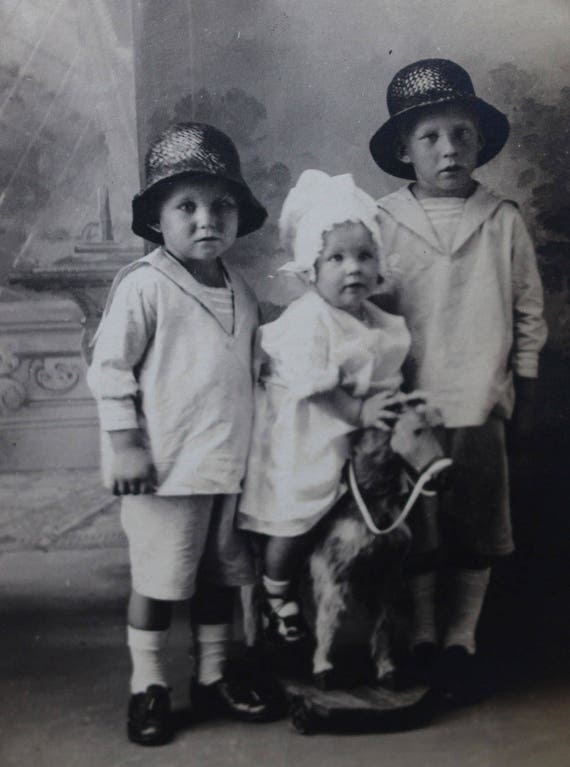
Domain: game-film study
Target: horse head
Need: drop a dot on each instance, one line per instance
(412, 441)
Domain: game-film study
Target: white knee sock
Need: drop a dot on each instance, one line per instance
(470, 587)
(422, 624)
(212, 647)
(149, 666)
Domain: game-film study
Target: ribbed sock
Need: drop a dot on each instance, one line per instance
(422, 623)
(212, 646)
(146, 648)
(470, 587)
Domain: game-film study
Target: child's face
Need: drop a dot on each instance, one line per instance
(347, 269)
(198, 220)
(443, 146)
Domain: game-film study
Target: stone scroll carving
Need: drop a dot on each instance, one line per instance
(52, 374)
(55, 375)
(8, 362)
(12, 395)
(12, 392)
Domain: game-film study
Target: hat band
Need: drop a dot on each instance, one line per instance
(430, 99)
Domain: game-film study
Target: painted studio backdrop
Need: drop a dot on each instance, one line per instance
(84, 84)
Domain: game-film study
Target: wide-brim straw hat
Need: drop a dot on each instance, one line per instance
(193, 149)
(428, 83)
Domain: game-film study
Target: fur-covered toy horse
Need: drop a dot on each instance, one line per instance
(361, 544)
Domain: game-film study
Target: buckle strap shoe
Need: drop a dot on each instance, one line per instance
(282, 625)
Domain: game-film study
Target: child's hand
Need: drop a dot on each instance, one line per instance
(133, 472)
(381, 411)
(524, 413)
(132, 469)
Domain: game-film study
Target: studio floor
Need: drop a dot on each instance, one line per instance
(64, 669)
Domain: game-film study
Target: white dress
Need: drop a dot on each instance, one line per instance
(301, 439)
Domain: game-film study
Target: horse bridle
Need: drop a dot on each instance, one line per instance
(419, 488)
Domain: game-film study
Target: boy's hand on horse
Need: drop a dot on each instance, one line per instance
(132, 468)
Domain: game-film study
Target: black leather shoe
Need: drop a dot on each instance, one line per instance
(149, 719)
(458, 677)
(416, 669)
(328, 680)
(233, 696)
(284, 626)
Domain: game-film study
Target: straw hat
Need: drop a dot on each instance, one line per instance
(428, 83)
(200, 150)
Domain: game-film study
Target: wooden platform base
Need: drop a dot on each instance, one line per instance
(362, 709)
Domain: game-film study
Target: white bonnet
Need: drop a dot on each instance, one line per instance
(315, 205)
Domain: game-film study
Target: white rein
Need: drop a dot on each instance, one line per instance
(435, 468)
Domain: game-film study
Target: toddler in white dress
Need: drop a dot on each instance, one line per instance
(328, 366)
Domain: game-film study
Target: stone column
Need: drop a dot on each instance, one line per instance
(162, 56)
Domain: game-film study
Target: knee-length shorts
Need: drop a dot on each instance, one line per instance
(473, 516)
(174, 540)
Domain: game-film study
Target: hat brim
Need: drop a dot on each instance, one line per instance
(251, 213)
(494, 126)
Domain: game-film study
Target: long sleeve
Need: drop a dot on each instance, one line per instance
(386, 295)
(529, 325)
(123, 337)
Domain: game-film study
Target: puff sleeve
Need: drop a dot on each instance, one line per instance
(296, 348)
(298, 355)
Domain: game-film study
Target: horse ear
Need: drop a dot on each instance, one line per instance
(433, 416)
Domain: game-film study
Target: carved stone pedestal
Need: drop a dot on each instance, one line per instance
(48, 418)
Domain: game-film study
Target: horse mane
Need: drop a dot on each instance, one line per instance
(374, 461)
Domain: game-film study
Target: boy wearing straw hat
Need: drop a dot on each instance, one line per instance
(172, 376)
(462, 271)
